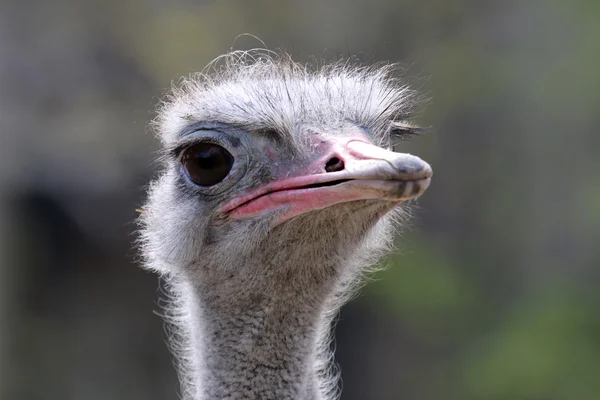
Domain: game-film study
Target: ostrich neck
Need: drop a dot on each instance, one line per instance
(253, 339)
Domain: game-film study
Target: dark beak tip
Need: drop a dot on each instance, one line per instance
(414, 167)
(427, 171)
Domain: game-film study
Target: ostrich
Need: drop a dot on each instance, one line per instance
(278, 193)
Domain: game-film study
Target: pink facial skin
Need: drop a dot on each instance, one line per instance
(370, 173)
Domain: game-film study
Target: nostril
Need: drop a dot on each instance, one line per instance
(334, 164)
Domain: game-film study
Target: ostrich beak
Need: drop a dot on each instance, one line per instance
(366, 172)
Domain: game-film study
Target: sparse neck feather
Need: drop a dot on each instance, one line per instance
(254, 339)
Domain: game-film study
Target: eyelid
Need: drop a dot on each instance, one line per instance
(192, 139)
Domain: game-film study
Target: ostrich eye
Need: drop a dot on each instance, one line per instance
(206, 163)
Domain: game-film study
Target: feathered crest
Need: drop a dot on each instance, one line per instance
(264, 90)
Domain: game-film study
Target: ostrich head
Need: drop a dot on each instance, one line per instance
(278, 192)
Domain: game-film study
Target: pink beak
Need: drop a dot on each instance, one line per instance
(369, 173)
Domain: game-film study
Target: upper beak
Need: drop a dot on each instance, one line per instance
(369, 173)
(400, 176)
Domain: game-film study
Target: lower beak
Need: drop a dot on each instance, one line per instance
(369, 173)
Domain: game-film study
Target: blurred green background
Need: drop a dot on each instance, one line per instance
(493, 293)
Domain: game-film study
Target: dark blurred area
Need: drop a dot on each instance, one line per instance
(493, 293)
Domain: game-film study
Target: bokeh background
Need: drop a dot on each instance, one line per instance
(494, 291)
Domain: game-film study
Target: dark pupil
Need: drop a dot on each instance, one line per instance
(207, 164)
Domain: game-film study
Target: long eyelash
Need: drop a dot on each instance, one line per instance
(175, 151)
(405, 131)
